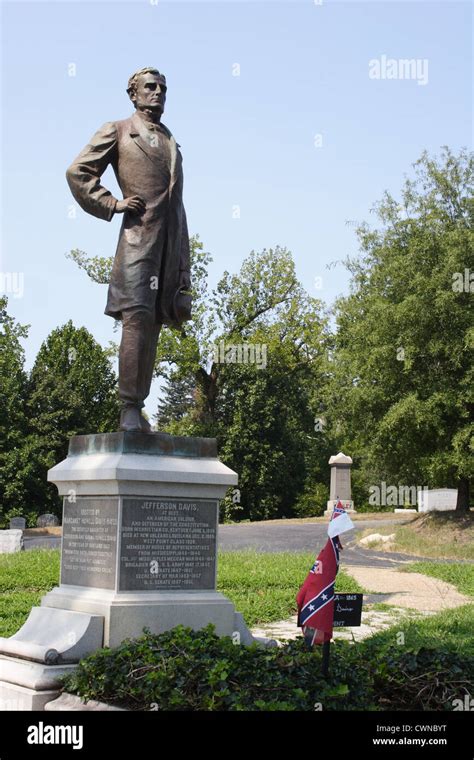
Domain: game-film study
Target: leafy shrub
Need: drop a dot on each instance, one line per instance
(423, 679)
(184, 669)
(366, 507)
(313, 501)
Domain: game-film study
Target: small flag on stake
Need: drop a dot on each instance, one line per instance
(315, 598)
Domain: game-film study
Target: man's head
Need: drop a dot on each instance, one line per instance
(147, 89)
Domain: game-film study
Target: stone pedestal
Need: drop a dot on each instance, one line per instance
(139, 547)
(340, 487)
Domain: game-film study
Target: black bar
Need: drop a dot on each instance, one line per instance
(362, 728)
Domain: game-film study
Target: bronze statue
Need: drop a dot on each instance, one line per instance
(150, 274)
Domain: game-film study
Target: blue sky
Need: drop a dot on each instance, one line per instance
(247, 140)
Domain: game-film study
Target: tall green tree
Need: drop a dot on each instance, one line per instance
(72, 390)
(177, 402)
(401, 391)
(14, 472)
(266, 425)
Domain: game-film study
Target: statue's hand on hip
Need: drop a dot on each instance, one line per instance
(134, 204)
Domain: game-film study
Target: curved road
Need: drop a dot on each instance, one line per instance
(286, 536)
(308, 537)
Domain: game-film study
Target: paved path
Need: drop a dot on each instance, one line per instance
(42, 542)
(412, 595)
(371, 623)
(410, 590)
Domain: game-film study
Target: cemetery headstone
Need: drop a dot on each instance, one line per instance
(17, 523)
(437, 500)
(11, 541)
(47, 521)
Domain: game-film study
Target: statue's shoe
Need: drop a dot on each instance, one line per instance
(145, 425)
(130, 420)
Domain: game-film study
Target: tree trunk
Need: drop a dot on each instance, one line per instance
(207, 385)
(462, 503)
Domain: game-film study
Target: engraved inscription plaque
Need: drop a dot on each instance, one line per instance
(168, 544)
(340, 483)
(89, 548)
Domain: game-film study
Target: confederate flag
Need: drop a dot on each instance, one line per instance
(315, 598)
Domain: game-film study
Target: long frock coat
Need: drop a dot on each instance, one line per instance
(153, 248)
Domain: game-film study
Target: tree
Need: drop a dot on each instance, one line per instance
(266, 426)
(176, 403)
(71, 391)
(401, 390)
(13, 418)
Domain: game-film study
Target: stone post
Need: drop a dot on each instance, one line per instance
(340, 488)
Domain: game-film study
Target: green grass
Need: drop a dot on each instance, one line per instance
(24, 578)
(461, 576)
(15, 608)
(263, 587)
(381, 607)
(35, 570)
(448, 629)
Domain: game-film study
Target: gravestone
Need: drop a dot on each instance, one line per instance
(11, 541)
(437, 499)
(47, 521)
(340, 488)
(17, 523)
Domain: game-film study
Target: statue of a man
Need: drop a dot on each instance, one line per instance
(151, 265)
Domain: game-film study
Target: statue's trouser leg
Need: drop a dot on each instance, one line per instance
(137, 355)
